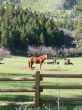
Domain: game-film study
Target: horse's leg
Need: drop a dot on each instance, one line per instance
(31, 65)
(40, 65)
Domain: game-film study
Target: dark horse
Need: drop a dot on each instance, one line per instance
(37, 60)
(67, 62)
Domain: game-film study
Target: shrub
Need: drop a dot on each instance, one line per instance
(35, 51)
(4, 53)
(50, 51)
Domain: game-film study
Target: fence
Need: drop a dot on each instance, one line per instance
(34, 79)
(38, 98)
(37, 77)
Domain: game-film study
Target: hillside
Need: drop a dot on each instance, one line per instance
(60, 9)
(48, 5)
(44, 5)
(41, 21)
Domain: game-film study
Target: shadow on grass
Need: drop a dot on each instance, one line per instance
(1, 63)
(18, 98)
(15, 98)
(14, 74)
(64, 104)
(50, 105)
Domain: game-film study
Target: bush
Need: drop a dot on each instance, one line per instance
(4, 53)
(50, 51)
(36, 51)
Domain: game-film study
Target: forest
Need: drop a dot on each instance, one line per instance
(22, 27)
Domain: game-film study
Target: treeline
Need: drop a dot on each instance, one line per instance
(77, 32)
(20, 28)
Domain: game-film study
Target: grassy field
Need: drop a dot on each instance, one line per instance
(18, 67)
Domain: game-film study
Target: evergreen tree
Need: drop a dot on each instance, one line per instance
(77, 34)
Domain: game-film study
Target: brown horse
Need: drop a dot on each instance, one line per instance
(37, 60)
(66, 61)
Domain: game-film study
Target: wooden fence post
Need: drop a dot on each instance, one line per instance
(37, 88)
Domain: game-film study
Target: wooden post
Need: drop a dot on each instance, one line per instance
(37, 88)
(58, 101)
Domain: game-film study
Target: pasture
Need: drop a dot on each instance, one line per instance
(18, 66)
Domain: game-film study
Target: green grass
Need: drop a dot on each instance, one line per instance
(18, 67)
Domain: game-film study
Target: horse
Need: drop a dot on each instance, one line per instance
(57, 63)
(52, 62)
(37, 60)
(66, 61)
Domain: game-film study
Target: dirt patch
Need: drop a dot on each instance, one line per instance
(56, 69)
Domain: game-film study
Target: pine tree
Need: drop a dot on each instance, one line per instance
(77, 34)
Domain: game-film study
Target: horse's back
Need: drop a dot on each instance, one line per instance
(37, 59)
